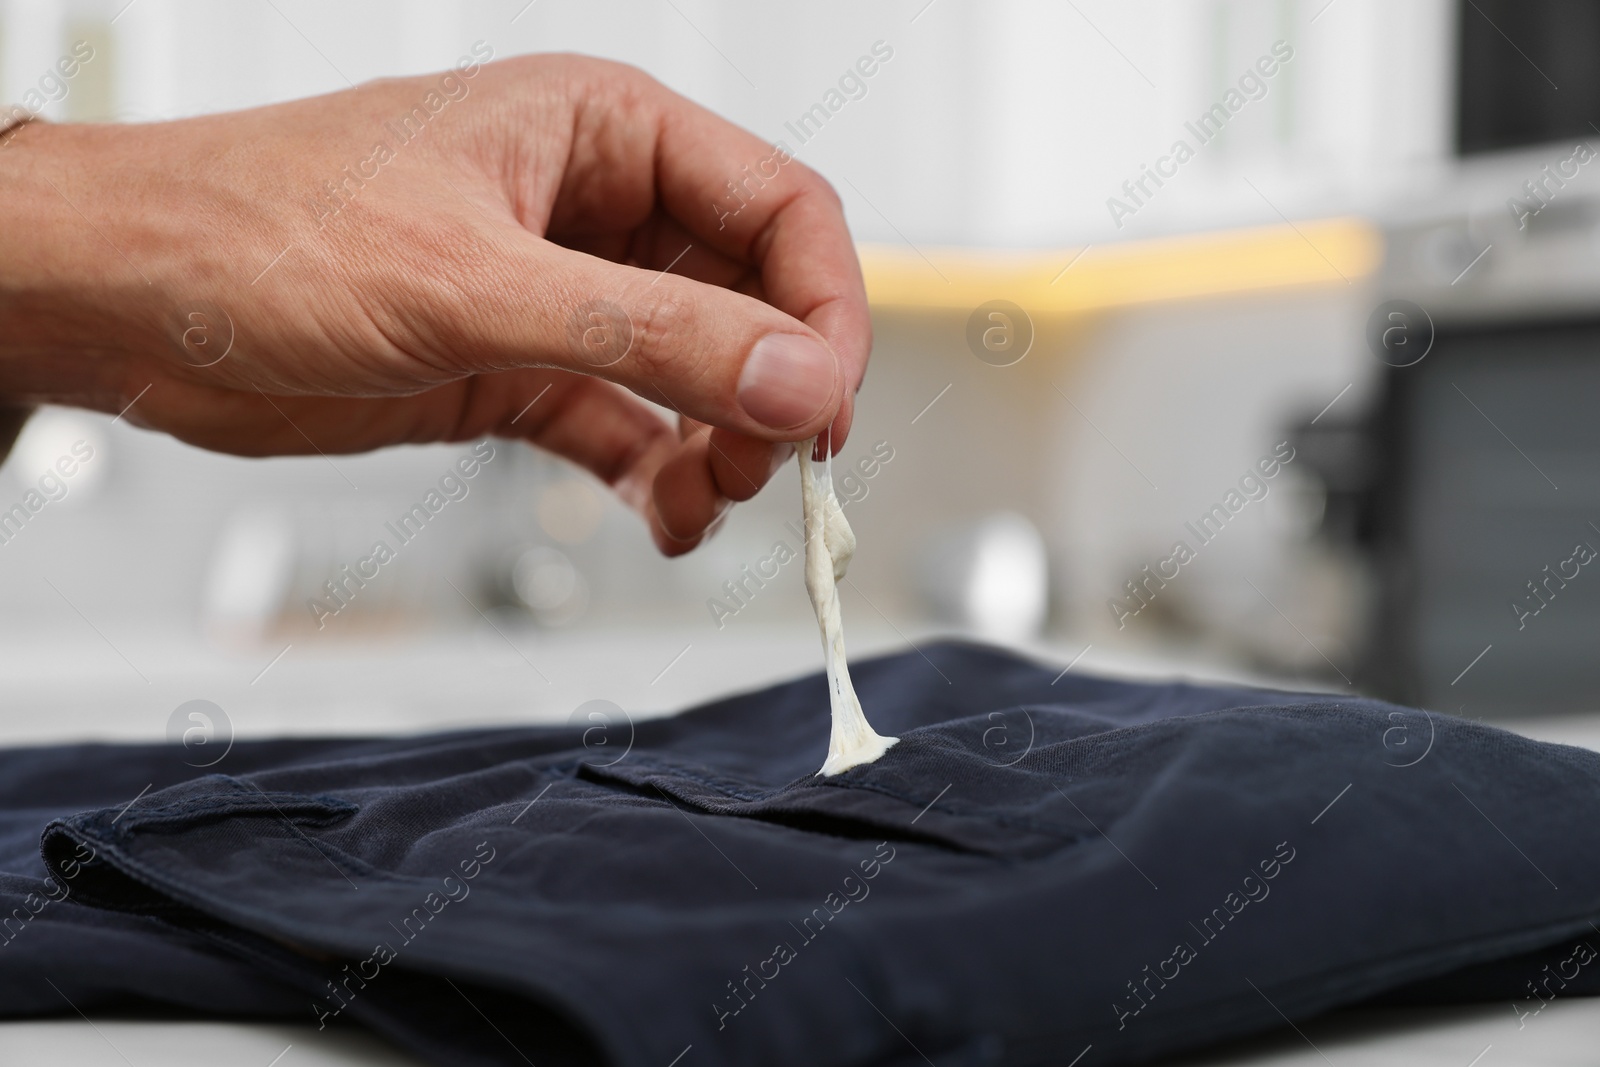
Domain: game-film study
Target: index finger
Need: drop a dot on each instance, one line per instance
(756, 203)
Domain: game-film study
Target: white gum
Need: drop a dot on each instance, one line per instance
(830, 543)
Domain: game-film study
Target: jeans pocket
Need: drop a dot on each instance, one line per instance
(913, 803)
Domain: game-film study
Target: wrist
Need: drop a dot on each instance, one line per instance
(13, 415)
(70, 298)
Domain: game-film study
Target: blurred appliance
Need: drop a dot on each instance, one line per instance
(1474, 484)
(1485, 524)
(1525, 72)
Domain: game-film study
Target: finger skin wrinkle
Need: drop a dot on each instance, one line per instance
(668, 311)
(612, 128)
(469, 404)
(686, 543)
(625, 462)
(544, 112)
(458, 261)
(755, 249)
(570, 422)
(754, 487)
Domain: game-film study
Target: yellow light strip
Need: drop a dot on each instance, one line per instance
(1322, 252)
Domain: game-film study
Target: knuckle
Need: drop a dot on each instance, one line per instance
(815, 184)
(427, 301)
(661, 324)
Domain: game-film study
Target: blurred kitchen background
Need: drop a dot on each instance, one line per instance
(1374, 273)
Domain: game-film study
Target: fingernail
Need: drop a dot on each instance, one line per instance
(780, 455)
(787, 380)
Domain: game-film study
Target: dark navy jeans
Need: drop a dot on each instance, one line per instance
(1043, 865)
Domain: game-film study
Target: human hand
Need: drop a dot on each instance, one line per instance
(385, 266)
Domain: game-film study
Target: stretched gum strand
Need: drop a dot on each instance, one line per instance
(830, 544)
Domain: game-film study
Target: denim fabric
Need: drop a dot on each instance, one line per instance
(56, 953)
(1044, 865)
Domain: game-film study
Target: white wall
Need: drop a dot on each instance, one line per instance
(994, 124)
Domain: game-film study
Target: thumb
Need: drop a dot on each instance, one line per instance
(709, 353)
